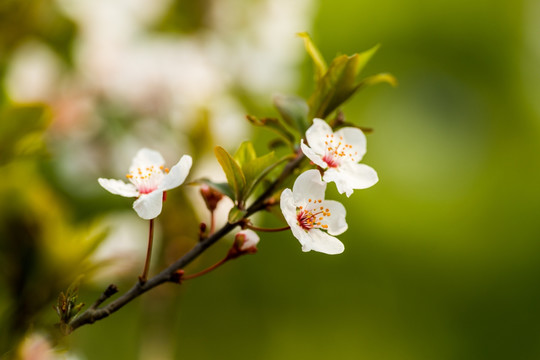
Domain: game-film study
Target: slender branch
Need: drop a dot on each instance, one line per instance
(110, 291)
(142, 278)
(256, 228)
(94, 314)
(207, 270)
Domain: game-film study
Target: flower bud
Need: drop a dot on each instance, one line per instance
(211, 197)
(246, 241)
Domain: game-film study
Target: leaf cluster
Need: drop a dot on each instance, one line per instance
(334, 85)
(67, 307)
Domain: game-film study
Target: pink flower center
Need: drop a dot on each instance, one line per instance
(337, 151)
(312, 216)
(147, 180)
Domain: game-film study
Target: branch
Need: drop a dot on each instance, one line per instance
(94, 313)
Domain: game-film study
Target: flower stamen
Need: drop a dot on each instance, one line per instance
(308, 218)
(146, 180)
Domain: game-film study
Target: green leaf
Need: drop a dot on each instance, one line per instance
(245, 153)
(315, 54)
(364, 57)
(338, 84)
(223, 188)
(294, 111)
(378, 79)
(233, 172)
(260, 168)
(253, 168)
(236, 214)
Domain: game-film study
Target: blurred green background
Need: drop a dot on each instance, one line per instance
(442, 255)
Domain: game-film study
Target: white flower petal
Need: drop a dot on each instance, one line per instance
(288, 207)
(343, 183)
(177, 175)
(308, 186)
(118, 187)
(146, 158)
(352, 176)
(362, 176)
(312, 155)
(356, 138)
(322, 242)
(316, 135)
(148, 206)
(303, 238)
(336, 221)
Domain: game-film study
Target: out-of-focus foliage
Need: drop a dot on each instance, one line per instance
(42, 250)
(21, 131)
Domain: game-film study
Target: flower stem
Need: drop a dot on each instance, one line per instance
(207, 270)
(256, 228)
(212, 222)
(142, 278)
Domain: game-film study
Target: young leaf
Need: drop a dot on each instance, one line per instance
(233, 172)
(364, 57)
(315, 54)
(236, 214)
(339, 83)
(326, 88)
(377, 79)
(253, 168)
(259, 171)
(294, 110)
(245, 153)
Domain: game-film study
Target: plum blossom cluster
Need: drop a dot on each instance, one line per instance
(252, 181)
(313, 220)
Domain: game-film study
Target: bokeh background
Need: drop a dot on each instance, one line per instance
(442, 256)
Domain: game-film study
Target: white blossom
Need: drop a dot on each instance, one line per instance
(312, 219)
(149, 179)
(339, 153)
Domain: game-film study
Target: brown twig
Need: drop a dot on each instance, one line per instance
(95, 313)
(256, 228)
